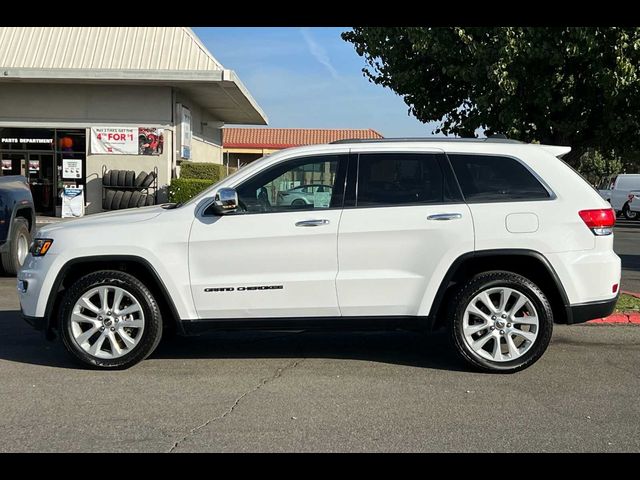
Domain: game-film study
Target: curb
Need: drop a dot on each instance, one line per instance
(622, 318)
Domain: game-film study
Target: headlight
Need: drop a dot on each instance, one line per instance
(40, 246)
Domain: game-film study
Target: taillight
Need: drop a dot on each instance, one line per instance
(600, 221)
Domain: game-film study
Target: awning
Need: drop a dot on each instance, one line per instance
(219, 92)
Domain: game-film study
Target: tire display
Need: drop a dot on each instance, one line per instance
(129, 179)
(143, 200)
(135, 197)
(126, 198)
(139, 179)
(148, 180)
(122, 175)
(117, 198)
(126, 189)
(108, 199)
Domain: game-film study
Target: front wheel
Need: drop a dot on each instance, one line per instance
(14, 257)
(110, 320)
(500, 322)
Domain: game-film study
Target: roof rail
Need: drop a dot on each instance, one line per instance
(495, 139)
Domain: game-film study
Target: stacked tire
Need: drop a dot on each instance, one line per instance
(125, 189)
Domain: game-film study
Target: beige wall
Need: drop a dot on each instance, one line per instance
(46, 104)
(206, 142)
(205, 152)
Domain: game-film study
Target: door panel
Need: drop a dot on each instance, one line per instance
(391, 258)
(281, 262)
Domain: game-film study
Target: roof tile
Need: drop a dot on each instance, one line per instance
(289, 137)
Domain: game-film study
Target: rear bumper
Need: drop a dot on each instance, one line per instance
(583, 312)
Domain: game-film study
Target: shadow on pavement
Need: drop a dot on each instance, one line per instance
(396, 347)
(20, 343)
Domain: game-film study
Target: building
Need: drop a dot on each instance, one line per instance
(79, 101)
(244, 145)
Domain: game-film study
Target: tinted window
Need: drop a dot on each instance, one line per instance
(301, 184)
(399, 179)
(494, 178)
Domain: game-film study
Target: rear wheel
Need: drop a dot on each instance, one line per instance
(110, 320)
(19, 244)
(628, 213)
(501, 322)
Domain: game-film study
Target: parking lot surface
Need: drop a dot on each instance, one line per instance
(342, 392)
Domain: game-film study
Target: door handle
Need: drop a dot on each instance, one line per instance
(445, 216)
(312, 223)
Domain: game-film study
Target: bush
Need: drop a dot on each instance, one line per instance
(183, 189)
(202, 171)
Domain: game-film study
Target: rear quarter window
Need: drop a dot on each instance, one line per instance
(493, 178)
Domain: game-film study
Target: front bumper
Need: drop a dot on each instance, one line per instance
(39, 323)
(583, 312)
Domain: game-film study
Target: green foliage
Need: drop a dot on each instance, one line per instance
(576, 86)
(627, 303)
(594, 165)
(202, 170)
(183, 189)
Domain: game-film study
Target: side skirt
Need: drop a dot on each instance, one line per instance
(195, 327)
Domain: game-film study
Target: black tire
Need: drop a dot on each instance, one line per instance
(151, 334)
(106, 180)
(117, 198)
(143, 200)
(139, 179)
(628, 213)
(130, 178)
(148, 180)
(122, 176)
(299, 203)
(150, 200)
(135, 198)
(113, 181)
(468, 292)
(126, 198)
(108, 199)
(20, 236)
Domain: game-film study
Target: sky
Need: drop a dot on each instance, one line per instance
(309, 77)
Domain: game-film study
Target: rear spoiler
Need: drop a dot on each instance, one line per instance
(556, 150)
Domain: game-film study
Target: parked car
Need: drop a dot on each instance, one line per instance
(494, 240)
(302, 195)
(617, 191)
(17, 222)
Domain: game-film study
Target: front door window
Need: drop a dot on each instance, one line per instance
(301, 184)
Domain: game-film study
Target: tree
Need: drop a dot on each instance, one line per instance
(576, 86)
(595, 166)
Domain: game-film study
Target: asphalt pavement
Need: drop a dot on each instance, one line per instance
(626, 243)
(329, 392)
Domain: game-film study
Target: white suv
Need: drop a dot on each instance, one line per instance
(493, 239)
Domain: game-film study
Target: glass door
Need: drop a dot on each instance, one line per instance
(41, 173)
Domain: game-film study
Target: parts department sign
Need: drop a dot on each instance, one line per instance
(114, 140)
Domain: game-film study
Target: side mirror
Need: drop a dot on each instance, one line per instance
(225, 201)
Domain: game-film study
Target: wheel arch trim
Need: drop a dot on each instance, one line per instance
(458, 263)
(64, 270)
